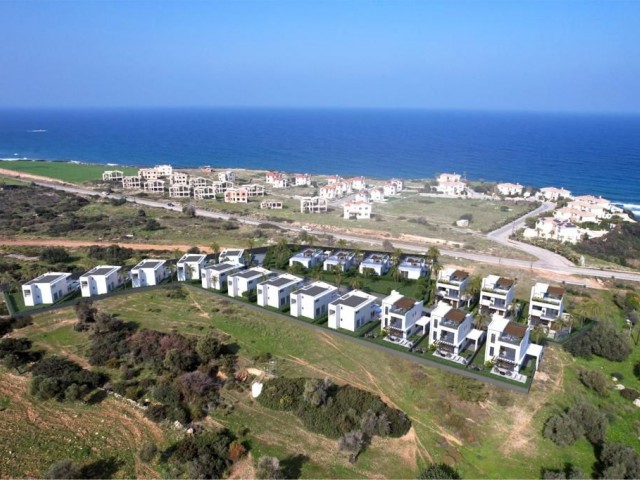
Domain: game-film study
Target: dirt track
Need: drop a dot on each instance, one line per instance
(87, 243)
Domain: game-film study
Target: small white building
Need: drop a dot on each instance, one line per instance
(352, 310)
(276, 292)
(280, 182)
(449, 328)
(363, 196)
(234, 256)
(203, 193)
(358, 183)
(389, 189)
(357, 210)
(451, 287)
(340, 261)
(510, 189)
(47, 289)
(190, 266)
(302, 179)
(271, 204)
(312, 301)
(400, 314)
(449, 177)
(546, 305)
(164, 170)
(246, 280)
(508, 344)
(215, 276)
(236, 195)
(227, 176)
(100, 280)
(496, 295)
(377, 263)
(179, 191)
(179, 178)
(148, 173)
(451, 188)
(399, 183)
(377, 194)
(149, 272)
(308, 258)
(412, 267)
(553, 194)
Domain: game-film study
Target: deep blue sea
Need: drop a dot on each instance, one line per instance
(596, 154)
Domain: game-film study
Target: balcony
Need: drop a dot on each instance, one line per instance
(510, 339)
(451, 294)
(507, 354)
(554, 301)
(447, 337)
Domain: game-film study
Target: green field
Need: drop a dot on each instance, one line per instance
(68, 172)
(499, 437)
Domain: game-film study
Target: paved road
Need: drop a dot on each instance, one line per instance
(548, 261)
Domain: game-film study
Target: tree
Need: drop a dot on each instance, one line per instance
(590, 309)
(354, 442)
(475, 284)
(433, 254)
(619, 461)
(189, 211)
(316, 391)
(64, 469)
(209, 347)
(341, 244)
(439, 471)
(215, 248)
(387, 246)
(268, 468)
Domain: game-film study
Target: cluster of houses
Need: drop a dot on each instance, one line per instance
(447, 325)
(283, 180)
(566, 224)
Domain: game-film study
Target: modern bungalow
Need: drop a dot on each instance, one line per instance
(149, 272)
(451, 287)
(400, 315)
(352, 310)
(100, 280)
(215, 276)
(47, 289)
(235, 256)
(496, 295)
(546, 305)
(308, 258)
(377, 263)
(340, 261)
(276, 292)
(190, 266)
(412, 267)
(246, 281)
(312, 301)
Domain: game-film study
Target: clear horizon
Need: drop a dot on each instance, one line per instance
(468, 55)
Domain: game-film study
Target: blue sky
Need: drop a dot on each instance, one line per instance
(483, 55)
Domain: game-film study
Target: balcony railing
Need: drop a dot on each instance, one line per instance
(555, 301)
(510, 339)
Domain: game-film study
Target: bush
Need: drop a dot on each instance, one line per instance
(619, 461)
(205, 455)
(562, 430)
(630, 394)
(64, 469)
(151, 225)
(59, 378)
(113, 254)
(148, 452)
(582, 419)
(596, 381)
(54, 255)
(604, 340)
(439, 471)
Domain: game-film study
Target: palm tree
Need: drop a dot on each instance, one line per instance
(590, 309)
(475, 284)
(433, 254)
(342, 243)
(215, 248)
(435, 270)
(356, 283)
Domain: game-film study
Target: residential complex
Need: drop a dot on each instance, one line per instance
(497, 295)
(352, 311)
(100, 280)
(308, 258)
(246, 281)
(47, 289)
(149, 272)
(451, 287)
(190, 265)
(275, 292)
(312, 301)
(400, 315)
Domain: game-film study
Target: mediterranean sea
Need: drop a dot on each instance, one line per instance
(586, 153)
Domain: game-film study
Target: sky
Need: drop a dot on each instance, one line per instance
(526, 55)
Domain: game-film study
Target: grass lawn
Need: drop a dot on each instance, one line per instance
(68, 172)
(506, 426)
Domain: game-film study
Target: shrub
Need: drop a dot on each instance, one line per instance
(604, 340)
(148, 452)
(206, 455)
(619, 461)
(562, 430)
(64, 469)
(596, 381)
(439, 471)
(581, 419)
(151, 225)
(630, 394)
(268, 468)
(54, 255)
(54, 375)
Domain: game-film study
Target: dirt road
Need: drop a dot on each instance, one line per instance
(87, 243)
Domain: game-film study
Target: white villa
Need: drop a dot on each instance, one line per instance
(154, 186)
(357, 210)
(179, 178)
(334, 179)
(179, 191)
(131, 182)
(276, 292)
(282, 181)
(236, 195)
(358, 183)
(246, 280)
(508, 344)
(164, 170)
(510, 189)
(554, 229)
(190, 266)
(215, 276)
(448, 177)
(308, 258)
(389, 189)
(331, 192)
(313, 205)
(302, 179)
(400, 315)
(254, 190)
(363, 196)
(451, 188)
(271, 204)
(451, 287)
(270, 177)
(340, 261)
(546, 305)
(553, 194)
(100, 280)
(377, 194)
(235, 256)
(378, 263)
(450, 328)
(399, 183)
(413, 267)
(497, 295)
(149, 272)
(112, 175)
(352, 310)
(227, 176)
(312, 301)
(47, 289)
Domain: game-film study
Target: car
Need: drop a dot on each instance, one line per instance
(306, 228)
(170, 204)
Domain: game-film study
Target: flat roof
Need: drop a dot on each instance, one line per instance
(232, 253)
(405, 303)
(515, 330)
(149, 264)
(221, 267)
(101, 270)
(314, 290)
(250, 273)
(193, 258)
(455, 315)
(281, 281)
(48, 278)
(352, 300)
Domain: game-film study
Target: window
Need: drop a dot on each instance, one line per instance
(491, 352)
(493, 338)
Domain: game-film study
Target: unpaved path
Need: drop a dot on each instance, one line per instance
(87, 243)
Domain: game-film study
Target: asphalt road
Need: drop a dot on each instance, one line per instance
(547, 261)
